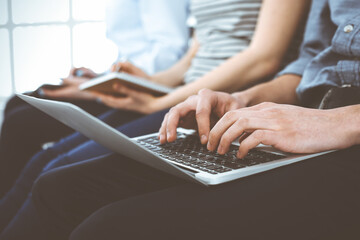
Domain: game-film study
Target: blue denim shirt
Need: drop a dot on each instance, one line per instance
(330, 53)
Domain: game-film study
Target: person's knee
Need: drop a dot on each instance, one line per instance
(101, 225)
(14, 117)
(12, 103)
(42, 189)
(81, 233)
(49, 191)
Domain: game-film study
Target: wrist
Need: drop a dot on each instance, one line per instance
(244, 97)
(346, 127)
(152, 78)
(158, 104)
(351, 123)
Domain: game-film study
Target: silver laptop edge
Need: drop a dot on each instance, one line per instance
(105, 135)
(114, 140)
(219, 178)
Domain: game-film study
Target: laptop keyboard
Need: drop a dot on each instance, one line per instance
(187, 150)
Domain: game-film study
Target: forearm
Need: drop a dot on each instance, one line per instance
(350, 124)
(240, 71)
(174, 76)
(223, 78)
(264, 55)
(173, 98)
(279, 90)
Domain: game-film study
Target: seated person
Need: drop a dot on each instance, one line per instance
(115, 197)
(253, 63)
(152, 35)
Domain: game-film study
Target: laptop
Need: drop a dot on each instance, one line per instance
(185, 158)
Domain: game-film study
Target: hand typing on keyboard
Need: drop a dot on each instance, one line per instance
(286, 127)
(198, 112)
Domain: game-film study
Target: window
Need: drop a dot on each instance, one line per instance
(5, 68)
(40, 40)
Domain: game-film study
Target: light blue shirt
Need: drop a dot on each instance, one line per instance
(152, 34)
(330, 54)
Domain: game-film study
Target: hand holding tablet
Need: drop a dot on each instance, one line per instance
(104, 84)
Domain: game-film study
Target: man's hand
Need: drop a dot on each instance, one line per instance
(198, 111)
(68, 92)
(78, 76)
(285, 127)
(71, 83)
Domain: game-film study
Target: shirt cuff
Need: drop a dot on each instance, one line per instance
(297, 68)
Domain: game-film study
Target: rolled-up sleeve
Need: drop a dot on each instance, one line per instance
(316, 38)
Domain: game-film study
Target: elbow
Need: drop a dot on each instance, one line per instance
(270, 65)
(266, 62)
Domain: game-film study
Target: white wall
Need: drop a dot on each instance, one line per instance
(40, 39)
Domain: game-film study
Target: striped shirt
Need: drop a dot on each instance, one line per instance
(223, 28)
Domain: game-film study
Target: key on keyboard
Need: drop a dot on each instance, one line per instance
(188, 150)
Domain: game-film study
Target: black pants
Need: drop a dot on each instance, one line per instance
(116, 198)
(23, 132)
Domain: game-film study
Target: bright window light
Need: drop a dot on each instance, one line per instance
(43, 58)
(91, 48)
(41, 39)
(3, 12)
(5, 72)
(88, 10)
(37, 11)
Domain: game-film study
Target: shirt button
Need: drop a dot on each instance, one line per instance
(348, 28)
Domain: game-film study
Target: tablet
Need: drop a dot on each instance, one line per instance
(104, 84)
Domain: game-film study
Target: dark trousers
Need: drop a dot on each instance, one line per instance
(114, 197)
(23, 132)
(17, 212)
